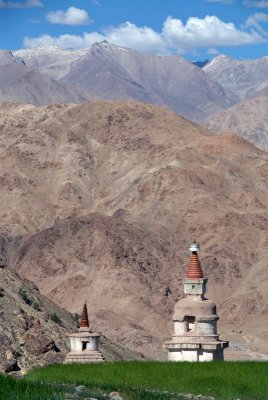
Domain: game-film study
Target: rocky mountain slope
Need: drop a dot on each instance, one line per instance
(19, 83)
(112, 72)
(101, 200)
(50, 60)
(245, 78)
(6, 57)
(248, 119)
(34, 329)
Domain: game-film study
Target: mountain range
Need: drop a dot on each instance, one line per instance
(247, 78)
(100, 201)
(249, 81)
(213, 95)
(113, 72)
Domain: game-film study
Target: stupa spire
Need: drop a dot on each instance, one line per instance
(84, 323)
(194, 268)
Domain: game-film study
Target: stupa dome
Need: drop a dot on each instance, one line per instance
(196, 307)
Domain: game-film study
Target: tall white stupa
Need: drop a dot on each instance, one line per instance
(195, 320)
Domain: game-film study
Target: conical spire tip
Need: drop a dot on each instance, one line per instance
(195, 247)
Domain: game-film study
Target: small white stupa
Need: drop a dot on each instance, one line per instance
(195, 320)
(84, 344)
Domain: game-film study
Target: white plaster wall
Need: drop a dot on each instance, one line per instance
(76, 344)
(174, 356)
(194, 287)
(207, 327)
(206, 355)
(72, 344)
(195, 355)
(183, 355)
(179, 328)
(93, 344)
(188, 355)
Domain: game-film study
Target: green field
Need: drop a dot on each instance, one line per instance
(159, 380)
(20, 389)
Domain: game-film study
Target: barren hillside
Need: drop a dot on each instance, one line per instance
(249, 119)
(102, 200)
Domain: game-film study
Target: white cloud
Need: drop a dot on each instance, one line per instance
(72, 16)
(207, 32)
(175, 36)
(65, 41)
(256, 4)
(212, 51)
(27, 4)
(138, 38)
(255, 21)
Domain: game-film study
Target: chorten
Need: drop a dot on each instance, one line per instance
(84, 344)
(195, 320)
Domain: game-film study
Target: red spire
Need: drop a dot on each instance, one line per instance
(194, 268)
(84, 317)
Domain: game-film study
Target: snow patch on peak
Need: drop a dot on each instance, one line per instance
(44, 49)
(222, 59)
(109, 46)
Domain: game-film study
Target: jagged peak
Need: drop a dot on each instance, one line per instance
(105, 45)
(222, 58)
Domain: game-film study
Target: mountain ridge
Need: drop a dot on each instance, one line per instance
(246, 78)
(113, 72)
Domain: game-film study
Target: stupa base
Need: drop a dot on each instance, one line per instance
(196, 352)
(84, 357)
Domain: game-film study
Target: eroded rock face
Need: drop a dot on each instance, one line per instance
(28, 335)
(101, 200)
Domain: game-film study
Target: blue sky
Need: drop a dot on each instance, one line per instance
(196, 29)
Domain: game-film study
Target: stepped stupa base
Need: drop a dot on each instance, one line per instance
(195, 351)
(87, 356)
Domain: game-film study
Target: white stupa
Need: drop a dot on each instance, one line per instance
(195, 320)
(84, 344)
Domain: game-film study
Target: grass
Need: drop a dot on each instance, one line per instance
(159, 380)
(20, 389)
